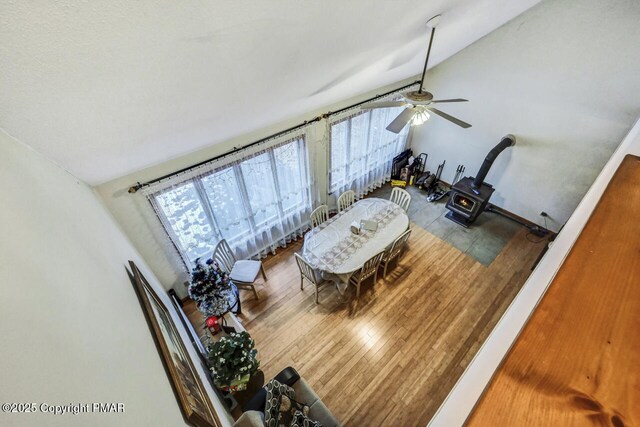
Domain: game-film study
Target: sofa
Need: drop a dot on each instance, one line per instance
(253, 411)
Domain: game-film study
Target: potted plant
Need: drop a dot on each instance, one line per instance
(233, 361)
(210, 289)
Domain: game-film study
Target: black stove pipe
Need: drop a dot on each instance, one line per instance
(507, 141)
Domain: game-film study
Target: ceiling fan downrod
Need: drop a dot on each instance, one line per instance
(433, 22)
(424, 71)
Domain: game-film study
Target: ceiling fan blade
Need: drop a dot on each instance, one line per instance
(450, 118)
(401, 121)
(435, 101)
(382, 104)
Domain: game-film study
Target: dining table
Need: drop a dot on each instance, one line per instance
(336, 252)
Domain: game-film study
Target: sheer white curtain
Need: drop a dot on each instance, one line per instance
(362, 150)
(256, 200)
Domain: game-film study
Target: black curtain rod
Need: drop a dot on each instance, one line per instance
(139, 185)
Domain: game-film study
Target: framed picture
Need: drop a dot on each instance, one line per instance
(193, 335)
(187, 385)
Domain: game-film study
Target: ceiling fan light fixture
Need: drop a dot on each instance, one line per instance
(420, 117)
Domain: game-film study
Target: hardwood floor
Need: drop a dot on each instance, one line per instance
(392, 358)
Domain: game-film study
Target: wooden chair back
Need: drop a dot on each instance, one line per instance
(319, 215)
(305, 269)
(370, 267)
(346, 199)
(401, 198)
(223, 255)
(398, 245)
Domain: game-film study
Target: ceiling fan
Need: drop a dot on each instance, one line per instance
(418, 103)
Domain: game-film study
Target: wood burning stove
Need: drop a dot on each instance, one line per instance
(464, 205)
(469, 196)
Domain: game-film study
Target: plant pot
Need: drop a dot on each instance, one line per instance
(256, 382)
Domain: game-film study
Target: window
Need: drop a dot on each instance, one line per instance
(291, 177)
(184, 211)
(259, 181)
(254, 203)
(362, 150)
(223, 192)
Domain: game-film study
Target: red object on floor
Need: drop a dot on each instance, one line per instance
(212, 324)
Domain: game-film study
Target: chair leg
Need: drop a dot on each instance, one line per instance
(384, 273)
(358, 290)
(255, 292)
(264, 275)
(316, 294)
(301, 283)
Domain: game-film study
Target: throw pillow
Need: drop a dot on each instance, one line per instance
(275, 390)
(301, 420)
(288, 408)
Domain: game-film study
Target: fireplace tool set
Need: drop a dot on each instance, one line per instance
(439, 191)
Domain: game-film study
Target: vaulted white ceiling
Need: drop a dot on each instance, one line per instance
(108, 88)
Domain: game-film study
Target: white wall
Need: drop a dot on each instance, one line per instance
(561, 77)
(564, 78)
(71, 326)
(461, 400)
(136, 218)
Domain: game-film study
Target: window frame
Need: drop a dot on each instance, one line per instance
(332, 185)
(248, 212)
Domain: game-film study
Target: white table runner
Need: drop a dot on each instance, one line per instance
(336, 252)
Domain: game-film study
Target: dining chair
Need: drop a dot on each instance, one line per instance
(346, 199)
(307, 272)
(368, 269)
(395, 250)
(401, 198)
(243, 273)
(319, 215)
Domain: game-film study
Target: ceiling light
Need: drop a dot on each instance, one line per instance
(420, 117)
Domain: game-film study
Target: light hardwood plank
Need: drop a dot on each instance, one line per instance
(392, 358)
